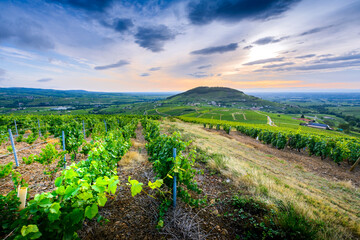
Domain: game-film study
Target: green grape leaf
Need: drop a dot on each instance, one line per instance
(112, 186)
(55, 208)
(99, 189)
(69, 174)
(58, 181)
(85, 196)
(70, 190)
(136, 187)
(156, 184)
(160, 224)
(46, 202)
(76, 216)
(60, 190)
(102, 200)
(91, 211)
(32, 231)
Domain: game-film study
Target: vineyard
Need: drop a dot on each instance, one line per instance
(80, 189)
(338, 148)
(78, 158)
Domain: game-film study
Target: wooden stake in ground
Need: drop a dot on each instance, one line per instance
(356, 163)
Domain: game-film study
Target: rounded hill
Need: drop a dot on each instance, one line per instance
(218, 96)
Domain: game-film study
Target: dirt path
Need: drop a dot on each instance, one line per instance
(136, 217)
(129, 217)
(161, 113)
(238, 113)
(244, 116)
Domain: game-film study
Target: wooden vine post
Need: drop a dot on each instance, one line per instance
(355, 164)
(174, 185)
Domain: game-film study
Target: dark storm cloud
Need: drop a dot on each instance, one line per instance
(262, 61)
(44, 80)
(267, 40)
(204, 66)
(154, 69)
(341, 58)
(153, 38)
(150, 5)
(25, 33)
(204, 11)
(115, 65)
(306, 56)
(315, 30)
(248, 47)
(145, 74)
(88, 5)
(217, 49)
(200, 75)
(278, 65)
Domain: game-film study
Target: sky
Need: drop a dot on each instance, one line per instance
(175, 45)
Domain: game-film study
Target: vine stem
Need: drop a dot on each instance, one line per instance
(10, 234)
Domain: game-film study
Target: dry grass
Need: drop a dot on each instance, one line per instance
(53, 140)
(137, 144)
(131, 157)
(335, 204)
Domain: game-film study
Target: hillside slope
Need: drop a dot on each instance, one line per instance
(220, 96)
(320, 191)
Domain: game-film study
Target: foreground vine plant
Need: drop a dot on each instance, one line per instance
(160, 148)
(80, 190)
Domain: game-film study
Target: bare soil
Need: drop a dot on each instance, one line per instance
(33, 173)
(136, 217)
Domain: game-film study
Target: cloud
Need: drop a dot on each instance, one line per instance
(278, 65)
(204, 11)
(315, 30)
(115, 65)
(145, 74)
(347, 57)
(154, 69)
(248, 47)
(89, 5)
(286, 52)
(44, 80)
(200, 75)
(307, 56)
(354, 63)
(267, 40)
(204, 66)
(326, 55)
(262, 61)
(153, 38)
(120, 24)
(25, 33)
(217, 49)
(2, 72)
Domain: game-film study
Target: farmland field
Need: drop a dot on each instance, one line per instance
(218, 171)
